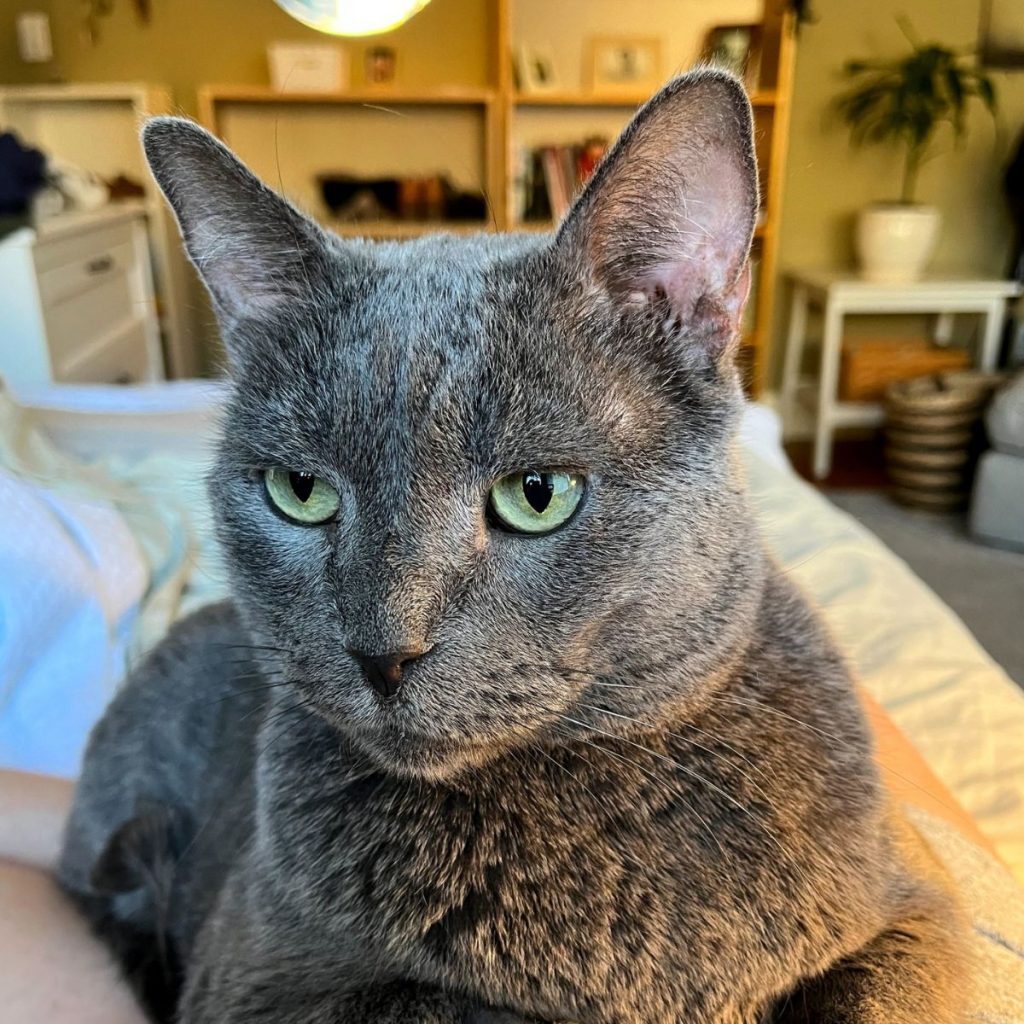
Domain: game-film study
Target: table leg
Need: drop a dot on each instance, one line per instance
(992, 332)
(794, 351)
(831, 341)
(943, 329)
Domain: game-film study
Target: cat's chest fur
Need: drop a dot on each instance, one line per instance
(571, 884)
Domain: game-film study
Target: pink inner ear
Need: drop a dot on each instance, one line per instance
(672, 210)
(702, 252)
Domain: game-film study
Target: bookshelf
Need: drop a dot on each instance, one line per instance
(477, 132)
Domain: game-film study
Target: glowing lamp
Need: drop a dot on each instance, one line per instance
(352, 17)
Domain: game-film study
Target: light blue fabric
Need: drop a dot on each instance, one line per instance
(97, 558)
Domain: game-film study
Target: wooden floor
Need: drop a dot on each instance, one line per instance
(856, 463)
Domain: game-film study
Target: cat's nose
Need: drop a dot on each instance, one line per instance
(384, 672)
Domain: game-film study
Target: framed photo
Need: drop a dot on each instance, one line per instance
(1002, 34)
(736, 48)
(535, 70)
(623, 66)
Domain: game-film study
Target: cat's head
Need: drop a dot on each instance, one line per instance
(480, 492)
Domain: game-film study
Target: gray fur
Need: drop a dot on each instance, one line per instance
(631, 782)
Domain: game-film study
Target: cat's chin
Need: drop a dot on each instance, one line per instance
(428, 758)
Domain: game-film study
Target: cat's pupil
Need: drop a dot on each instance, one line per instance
(302, 484)
(538, 489)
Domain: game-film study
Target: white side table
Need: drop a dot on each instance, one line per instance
(838, 294)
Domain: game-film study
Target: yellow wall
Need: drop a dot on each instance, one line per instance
(191, 42)
(827, 181)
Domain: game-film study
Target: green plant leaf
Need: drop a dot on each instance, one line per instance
(906, 101)
(987, 92)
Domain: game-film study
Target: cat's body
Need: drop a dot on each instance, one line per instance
(619, 775)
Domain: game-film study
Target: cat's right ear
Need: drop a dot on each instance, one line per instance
(669, 215)
(255, 252)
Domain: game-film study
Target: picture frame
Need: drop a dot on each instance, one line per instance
(623, 65)
(736, 48)
(535, 70)
(1001, 34)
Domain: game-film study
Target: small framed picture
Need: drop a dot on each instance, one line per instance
(736, 48)
(535, 70)
(623, 66)
(1002, 34)
(379, 65)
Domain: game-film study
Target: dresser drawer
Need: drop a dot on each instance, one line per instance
(119, 358)
(86, 271)
(81, 248)
(78, 321)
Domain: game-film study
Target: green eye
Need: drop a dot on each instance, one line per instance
(536, 501)
(301, 496)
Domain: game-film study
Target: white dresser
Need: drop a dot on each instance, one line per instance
(77, 302)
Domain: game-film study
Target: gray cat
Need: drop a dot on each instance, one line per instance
(511, 718)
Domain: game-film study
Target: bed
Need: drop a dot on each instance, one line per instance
(104, 540)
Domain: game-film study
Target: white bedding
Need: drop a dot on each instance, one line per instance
(956, 705)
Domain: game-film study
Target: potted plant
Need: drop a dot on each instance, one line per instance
(904, 102)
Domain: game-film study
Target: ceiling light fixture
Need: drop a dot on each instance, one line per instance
(352, 17)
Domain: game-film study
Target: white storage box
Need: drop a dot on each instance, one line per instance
(307, 67)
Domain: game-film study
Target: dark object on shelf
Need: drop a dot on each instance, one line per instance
(22, 174)
(934, 436)
(123, 187)
(463, 205)
(381, 62)
(431, 198)
(345, 195)
(804, 11)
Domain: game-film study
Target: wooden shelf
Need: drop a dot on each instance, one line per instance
(540, 226)
(398, 230)
(113, 92)
(505, 114)
(578, 99)
(583, 99)
(454, 96)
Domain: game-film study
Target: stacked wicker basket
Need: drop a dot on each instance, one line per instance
(934, 435)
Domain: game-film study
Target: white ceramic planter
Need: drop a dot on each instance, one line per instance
(895, 242)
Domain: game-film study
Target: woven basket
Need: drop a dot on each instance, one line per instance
(933, 436)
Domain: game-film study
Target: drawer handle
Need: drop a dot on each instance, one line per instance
(100, 265)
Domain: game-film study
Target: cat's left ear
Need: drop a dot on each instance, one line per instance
(254, 251)
(670, 213)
